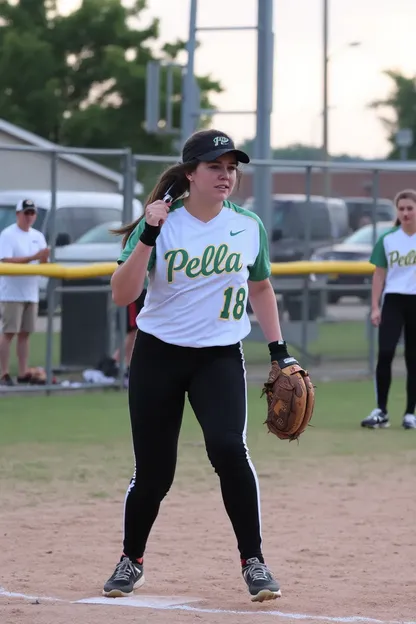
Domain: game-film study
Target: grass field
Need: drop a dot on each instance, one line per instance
(336, 341)
(37, 431)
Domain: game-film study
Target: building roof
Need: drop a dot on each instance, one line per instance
(80, 161)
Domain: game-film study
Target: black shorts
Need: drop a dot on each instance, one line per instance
(133, 310)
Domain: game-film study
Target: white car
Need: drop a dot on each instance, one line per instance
(97, 245)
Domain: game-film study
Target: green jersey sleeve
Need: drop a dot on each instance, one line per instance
(261, 268)
(378, 256)
(131, 244)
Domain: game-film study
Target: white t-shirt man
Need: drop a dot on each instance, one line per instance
(15, 243)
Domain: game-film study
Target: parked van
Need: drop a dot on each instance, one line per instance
(328, 218)
(329, 223)
(76, 212)
(360, 210)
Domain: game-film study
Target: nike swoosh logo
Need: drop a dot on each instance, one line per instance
(235, 233)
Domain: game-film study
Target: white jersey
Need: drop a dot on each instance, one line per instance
(396, 252)
(15, 243)
(198, 273)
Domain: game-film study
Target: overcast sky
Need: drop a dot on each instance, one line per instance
(385, 28)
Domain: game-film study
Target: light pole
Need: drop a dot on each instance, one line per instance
(325, 113)
(325, 155)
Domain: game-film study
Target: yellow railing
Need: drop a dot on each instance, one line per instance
(305, 267)
(59, 271)
(101, 269)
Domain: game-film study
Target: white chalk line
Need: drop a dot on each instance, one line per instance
(8, 594)
(152, 603)
(293, 616)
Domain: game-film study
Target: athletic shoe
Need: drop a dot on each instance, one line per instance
(127, 576)
(409, 421)
(6, 380)
(260, 582)
(376, 420)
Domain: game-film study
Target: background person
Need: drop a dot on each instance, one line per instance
(20, 243)
(394, 279)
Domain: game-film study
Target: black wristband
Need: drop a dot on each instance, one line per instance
(278, 350)
(149, 235)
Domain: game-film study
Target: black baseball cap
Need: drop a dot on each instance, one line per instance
(26, 204)
(208, 145)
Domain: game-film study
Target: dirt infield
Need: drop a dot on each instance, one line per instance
(342, 544)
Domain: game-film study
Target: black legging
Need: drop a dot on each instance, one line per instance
(214, 378)
(398, 313)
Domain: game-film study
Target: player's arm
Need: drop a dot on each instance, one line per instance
(261, 293)
(379, 279)
(264, 304)
(379, 259)
(128, 279)
(138, 255)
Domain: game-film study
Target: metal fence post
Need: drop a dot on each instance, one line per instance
(372, 330)
(306, 280)
(262, 182)
(128, 195)
(51, 281)
(189, 121)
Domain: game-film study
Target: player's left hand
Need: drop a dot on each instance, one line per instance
(290, 395)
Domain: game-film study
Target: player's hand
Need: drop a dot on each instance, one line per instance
(376, 316)
(156, 213)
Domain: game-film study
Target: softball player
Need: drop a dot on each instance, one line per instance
(394, 257)
(204, 256)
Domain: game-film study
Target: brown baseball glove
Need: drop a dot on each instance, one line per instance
(290, 399)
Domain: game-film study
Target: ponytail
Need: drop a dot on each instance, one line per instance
(173, 180)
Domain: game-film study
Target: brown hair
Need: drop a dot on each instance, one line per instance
(405, 194)
(173, 180)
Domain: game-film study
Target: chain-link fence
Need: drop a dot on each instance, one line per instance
(73, 194)
(325, 317)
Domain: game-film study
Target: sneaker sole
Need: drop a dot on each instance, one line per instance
(378, 426)
(266, 594)
(117, 593)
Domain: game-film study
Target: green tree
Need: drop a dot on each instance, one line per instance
(80, 79)
(401, 104)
